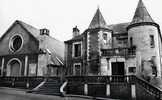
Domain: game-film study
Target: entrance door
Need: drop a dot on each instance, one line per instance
(15, 68)
(117, 68)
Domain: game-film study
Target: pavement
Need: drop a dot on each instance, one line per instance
(20, 94)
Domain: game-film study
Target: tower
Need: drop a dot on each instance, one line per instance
(97, 35)
(144, 34)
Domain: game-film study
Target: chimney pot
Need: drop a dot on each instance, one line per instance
(44, 31)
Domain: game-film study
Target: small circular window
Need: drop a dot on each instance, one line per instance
(15, 43)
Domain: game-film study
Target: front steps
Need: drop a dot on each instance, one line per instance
(49, 87)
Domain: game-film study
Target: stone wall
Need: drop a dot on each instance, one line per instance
(93, 52)
(120, 90)
(141, 39)
(30, 44)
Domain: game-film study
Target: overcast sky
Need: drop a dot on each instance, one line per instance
(60, 16)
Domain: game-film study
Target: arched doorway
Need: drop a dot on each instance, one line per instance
(14, 67)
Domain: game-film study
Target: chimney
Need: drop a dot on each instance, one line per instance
(44, 31)
(76, 31)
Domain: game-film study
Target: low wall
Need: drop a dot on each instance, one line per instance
(120, 90)
(116, 87)
(117, 91)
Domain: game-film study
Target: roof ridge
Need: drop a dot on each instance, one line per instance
(32, 30)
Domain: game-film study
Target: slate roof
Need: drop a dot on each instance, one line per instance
(55, 46)
(120, 28)
(98, 21)
(141, 14)
(34, 31)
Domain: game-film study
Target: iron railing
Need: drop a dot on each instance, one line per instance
(119, 52)
(101, 79)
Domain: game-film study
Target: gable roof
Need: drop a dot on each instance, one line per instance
(34, 31)
(141, 14)
(98, 21)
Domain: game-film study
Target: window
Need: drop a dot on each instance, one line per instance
(15, 43)
(77, 49)
(152, 43)
(131, 41)
(105, 36)
(77, 69)
(132, 69)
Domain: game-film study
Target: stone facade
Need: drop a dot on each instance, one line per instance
(23, 52)
(119, 49)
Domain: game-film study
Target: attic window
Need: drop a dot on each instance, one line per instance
(15, 43)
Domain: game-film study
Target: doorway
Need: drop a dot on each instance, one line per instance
(14, 67)
(117, 68)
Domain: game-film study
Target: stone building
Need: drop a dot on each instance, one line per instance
(120, 49)
(27, 51)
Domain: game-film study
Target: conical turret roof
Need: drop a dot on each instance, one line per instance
(141, 14)
(97, 21)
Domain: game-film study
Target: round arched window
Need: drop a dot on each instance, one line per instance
(15, 43)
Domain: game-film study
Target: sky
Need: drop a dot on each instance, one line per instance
(60, 16)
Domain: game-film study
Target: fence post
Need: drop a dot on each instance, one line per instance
(108, 90)
(160, 95)
(27, 82)
(13, 82)
(133, 91)
(86, 89)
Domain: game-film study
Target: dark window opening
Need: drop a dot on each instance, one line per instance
(132, 69)
(77, 50)
(77, 70)
(16, 43)
(105, 36)
(131, 42)
(152, 42)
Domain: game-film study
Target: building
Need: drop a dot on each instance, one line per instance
(27, 51)
(120, 49)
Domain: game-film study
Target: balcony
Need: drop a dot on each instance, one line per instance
(119, 52)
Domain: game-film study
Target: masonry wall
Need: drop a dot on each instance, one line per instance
(32, 63)
(93, 52)
(141, 39)
(30, 44)
(30, 48)
(70, 60)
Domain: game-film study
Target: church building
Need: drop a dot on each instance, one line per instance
(28, 51)
(119, 49)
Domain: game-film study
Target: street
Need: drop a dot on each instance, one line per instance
(20, 94)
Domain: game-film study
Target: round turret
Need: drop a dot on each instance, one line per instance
(143, 33)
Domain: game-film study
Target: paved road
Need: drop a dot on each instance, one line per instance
(18, 94)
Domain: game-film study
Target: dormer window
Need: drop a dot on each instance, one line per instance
(77, 49)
